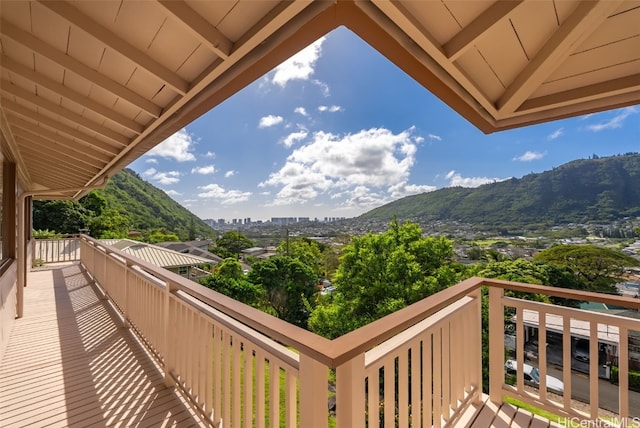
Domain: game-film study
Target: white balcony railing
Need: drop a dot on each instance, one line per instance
(421, 366)
(64, 248)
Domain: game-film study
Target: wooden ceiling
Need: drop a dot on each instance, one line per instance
(88, 86)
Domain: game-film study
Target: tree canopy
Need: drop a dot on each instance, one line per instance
(600, 268)
(379, 274)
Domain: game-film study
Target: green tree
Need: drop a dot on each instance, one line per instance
(289, 287)
(231, 243)
(159, 235)
(379, 274)
(61, 216)
(600, 268)
(94, 202)
(305, 250)
(229, 280)
(110, 224)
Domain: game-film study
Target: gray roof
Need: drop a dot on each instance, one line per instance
(154, 254)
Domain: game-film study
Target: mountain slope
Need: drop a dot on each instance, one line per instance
(599, 189)
(148, 207)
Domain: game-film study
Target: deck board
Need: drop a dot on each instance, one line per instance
(69, 363)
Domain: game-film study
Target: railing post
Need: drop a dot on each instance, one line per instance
(168, 365)
(496, 344)
(125, 303)
(350, 393)
(314, 383)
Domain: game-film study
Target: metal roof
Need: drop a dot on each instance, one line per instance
(155, 255)
(89, 86)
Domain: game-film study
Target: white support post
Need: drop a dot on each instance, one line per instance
(496, 344)
(314, 386)
(350, 393)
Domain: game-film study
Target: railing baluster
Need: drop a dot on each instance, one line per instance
(496, 344)
(542, 353)
(593, 369)
(566, 361)
(623, 377)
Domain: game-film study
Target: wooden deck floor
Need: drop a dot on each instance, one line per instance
(488, 414)
(70, 364)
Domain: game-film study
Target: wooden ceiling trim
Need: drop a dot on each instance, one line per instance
(14, 152)
(69, 63)
(483, 23)
(43, 164)
(66, 146)
(577, 28)
(435, 59)
(616, 87)
(55, 151)
(57, 109)
(55, 125)
(213, 39)
(70, 94)
(97, 31)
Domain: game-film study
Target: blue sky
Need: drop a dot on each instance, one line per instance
(338, 130)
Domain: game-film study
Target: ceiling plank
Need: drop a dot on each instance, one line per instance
(38, 46)
(52, 155)
(136, 56)
(70, 94)
(42, 164)
(67, 150)
(97, 144)
(9, 88)
(472, 32)
(582, 22)
(18, 124)
(200, 27)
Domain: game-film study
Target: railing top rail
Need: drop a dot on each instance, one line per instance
(565, 293)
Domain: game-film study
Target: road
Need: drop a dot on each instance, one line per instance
(608, 392)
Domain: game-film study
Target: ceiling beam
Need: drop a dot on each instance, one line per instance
(41, 119)
(578, 26)
(9, 88)
(459, 43)
(7, 134)
(99, 32)
(68, 93)
(38, 46)
(209, 35)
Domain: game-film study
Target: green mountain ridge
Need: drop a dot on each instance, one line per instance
(581, 191)
(148, 207)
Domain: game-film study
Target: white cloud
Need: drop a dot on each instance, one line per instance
(230, 173)
(152, 160)
(178, 147)
(372, 158)
(614, 122)
(401, 190)
(529, 156)
(203, 170)
(434, 137)
(555, 134)
(225, 197)
(361, 197)
(300, 66)
(301, 111)
(165, 178)
(330, 109)
(455, 179)
(294, 137)
(210, 155)
(172, 192)
(271, 120)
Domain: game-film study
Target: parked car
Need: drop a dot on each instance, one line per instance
(581, 350)
(532, 376)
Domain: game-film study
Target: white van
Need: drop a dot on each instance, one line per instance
(532, 376)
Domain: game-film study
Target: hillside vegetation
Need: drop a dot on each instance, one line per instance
(126, 203)
(582, 191)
